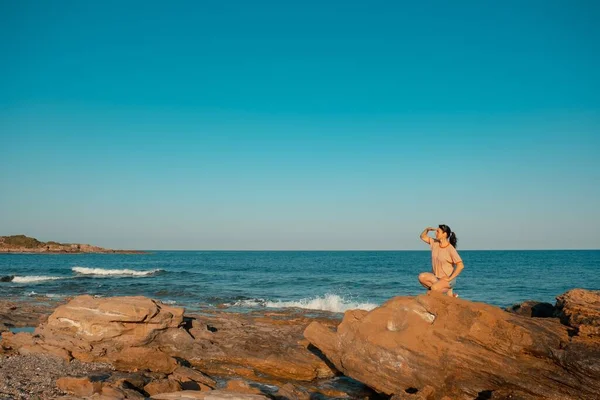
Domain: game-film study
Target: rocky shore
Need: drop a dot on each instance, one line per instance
(21, 244)
(424, 347)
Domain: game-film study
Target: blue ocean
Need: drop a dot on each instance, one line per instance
(316, 280)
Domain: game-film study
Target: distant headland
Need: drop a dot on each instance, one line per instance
(26, 245)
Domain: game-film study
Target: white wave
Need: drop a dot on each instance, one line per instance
(34, 278)
(113, 272)
(168, 302)
(329, 302)
(55, 296)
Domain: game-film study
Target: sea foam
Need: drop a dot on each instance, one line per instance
(34, 278)
(115, 272)
(328, 302)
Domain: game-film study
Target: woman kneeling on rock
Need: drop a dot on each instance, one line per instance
(446, 262)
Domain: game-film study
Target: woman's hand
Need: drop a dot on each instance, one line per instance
(430, 229)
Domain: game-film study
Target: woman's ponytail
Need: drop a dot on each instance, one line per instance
(453, 239)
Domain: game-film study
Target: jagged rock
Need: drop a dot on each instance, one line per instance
(260, 349)
(534, 309)
(162, 386)
(580, 309)
(82, 387)
(112, 392)
(123, 321)
(240, 386)
(185, 374)
(120, 330)
(291, 392)
(136, 358)
(45, 349)
(212, 395)
(460, 349)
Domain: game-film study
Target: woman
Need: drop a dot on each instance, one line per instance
(446, 262)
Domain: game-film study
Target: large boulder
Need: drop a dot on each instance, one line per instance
(121, 330)
(125, 321)
(580, 309)
(461, 349)
(261, 349)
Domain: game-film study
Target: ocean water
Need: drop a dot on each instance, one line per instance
(319, 280)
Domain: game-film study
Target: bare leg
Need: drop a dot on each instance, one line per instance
(441, 286)
(427, 279)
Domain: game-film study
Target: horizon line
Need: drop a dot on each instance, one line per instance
(348, 250)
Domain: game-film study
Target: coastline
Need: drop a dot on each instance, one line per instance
(44, 251)
(136, 347)
(22, 244)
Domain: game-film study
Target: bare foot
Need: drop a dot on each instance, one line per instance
(451, 293)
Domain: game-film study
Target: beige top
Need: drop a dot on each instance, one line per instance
(443, 259)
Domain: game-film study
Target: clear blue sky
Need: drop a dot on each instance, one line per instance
(300, 124)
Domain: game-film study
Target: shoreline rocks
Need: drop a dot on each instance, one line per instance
(423, 347)
(461, 349)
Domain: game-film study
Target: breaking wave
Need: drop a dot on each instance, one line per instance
(114, 272)
(328, 302)
(34, 278)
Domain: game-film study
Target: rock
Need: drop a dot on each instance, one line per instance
(138, 358)
(82, 387)
(124, 321)
(291, 392)
(129, 380)
(122, 330)
(15, 341)
(580, 309)
(256, 348)
(46, 349)
(460, 349)
(534, 309)
(212, 395)
(185, 374)
(162, 386)
(133, 394)
(112, 392)
(413, 394)
(240, 386)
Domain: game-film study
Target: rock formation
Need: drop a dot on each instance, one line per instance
(26, 244)
(442, 346)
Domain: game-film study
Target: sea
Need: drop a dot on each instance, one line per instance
(336, 281)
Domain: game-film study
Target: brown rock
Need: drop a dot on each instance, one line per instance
(140, 358)
(580, 309)
(162, 386)
(534, 309)
(212, 395)
(17, 340)
(460, 349)
(333, 393)
(112, 392)
(185, 374)
(240, 386)
(133, 394)
(125, 321)
(291, 392)
(260, 348)
(82, 387)
(45, 349)
(124, 380)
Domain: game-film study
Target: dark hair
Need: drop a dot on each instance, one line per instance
(451, 235)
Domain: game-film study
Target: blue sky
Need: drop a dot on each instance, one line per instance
(300, 125)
